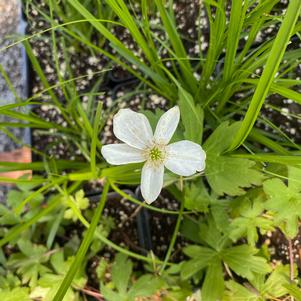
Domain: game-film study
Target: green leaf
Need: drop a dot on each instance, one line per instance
(294, 291)
(145, 286)
(294, 175)
(30, 261)
(192, 117)
(18, 293)
(285, 203)
(225, 174)
(268, 75)
(250, 220)
(213, 286)
(237, 292)
(196, 197)
(110, 295)
(121, 272)
(242, 260)
(260, 288)
(275, 284)
(201, 257)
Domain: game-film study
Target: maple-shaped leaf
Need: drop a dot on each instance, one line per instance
(260, 288)
(226, 174)
(250, 219)
(30, 261)
(285, 201)
(211, 258)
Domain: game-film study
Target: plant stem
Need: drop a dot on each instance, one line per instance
(173, 239)
(291, 259)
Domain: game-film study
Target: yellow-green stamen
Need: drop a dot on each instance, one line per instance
(155, 154)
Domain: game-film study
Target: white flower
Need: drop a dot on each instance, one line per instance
(140, 145)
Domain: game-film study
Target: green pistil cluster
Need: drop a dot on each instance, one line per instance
(155, 154)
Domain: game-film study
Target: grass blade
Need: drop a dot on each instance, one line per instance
(269, 72)
(83, 247)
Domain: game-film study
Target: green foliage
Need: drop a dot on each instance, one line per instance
(261, 289)
(29, 262)
(226, 174)
(79, 201)
(285, 201)
(120, 288)
(216, 253)
(53, 240)
(192, 117)
(250, 219)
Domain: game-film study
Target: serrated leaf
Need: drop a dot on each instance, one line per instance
(121, 272)
(110, 295)
(192, 116)
(30, 261)
(145, 286)
(260, 288)
(285, 203)
(243, 261)
(249, 221)
(225, 174)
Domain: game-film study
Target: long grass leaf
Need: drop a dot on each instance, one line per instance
(83, 247)
(269, 72)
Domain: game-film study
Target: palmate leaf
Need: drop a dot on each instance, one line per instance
(250, 219)
(285, 201)
(241, 259)
(226, 174)
(146, 285)
(218, 251)
(30, 261)
(122, 290)
(260, 288)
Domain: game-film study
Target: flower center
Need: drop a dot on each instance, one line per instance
(155, 154)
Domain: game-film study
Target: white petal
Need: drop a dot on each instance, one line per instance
(118, 154)
(132, 128)
(151, 182)
(167, 125)
(185, 158)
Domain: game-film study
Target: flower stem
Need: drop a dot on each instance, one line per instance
(173, 238)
